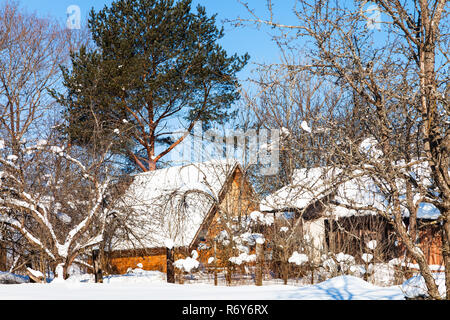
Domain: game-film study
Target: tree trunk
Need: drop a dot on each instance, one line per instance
(42, 264)
(97, 266)
(3, 266)
(285, 271)
(446, 254)
(331, 237)
(434, 144)
(419, 257)
(228, 275)
(170, 266)
(35, 279)
(151, 165)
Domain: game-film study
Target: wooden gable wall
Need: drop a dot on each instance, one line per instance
(237, 199)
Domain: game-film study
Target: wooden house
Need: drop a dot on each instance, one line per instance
(333, 210)
(183, 208)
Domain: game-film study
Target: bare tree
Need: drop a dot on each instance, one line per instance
(32, 49)
(395, 74)
(57, 203)
(52, 196)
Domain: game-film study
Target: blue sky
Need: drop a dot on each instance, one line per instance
(256, 42)
(248, 39)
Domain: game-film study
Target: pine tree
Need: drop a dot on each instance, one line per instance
(154, 61)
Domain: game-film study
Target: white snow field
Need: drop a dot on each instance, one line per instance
(151, 285)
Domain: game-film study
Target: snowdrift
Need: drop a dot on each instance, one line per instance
(415, 287)
(151, 285)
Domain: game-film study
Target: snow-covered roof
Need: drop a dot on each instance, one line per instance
(351, 194)
(308, 185)
(169, 205)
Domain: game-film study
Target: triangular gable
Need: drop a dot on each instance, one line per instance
(226, 187)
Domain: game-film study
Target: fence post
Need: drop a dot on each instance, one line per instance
(259, 263)
(215, 264)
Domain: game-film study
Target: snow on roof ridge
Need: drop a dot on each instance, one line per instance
(208, 176)
(214, 162)
(312, 184)
(308, 184)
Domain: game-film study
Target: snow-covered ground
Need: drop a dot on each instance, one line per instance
(416, 287)
(139, 284)
(151, 285)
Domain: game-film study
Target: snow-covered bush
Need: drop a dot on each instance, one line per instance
(260, 218)
(372, 244)
(243, 258)
(367, 257)
(338, 264)
(298, 258)
(368, 267)
(186, 264)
